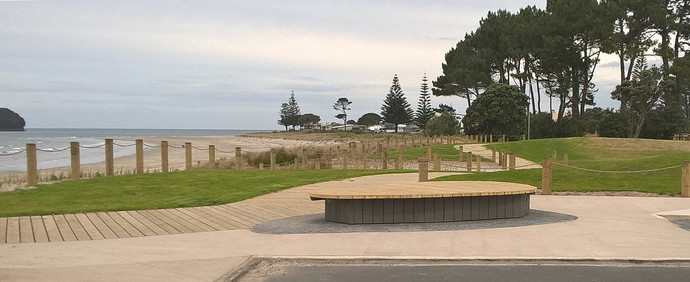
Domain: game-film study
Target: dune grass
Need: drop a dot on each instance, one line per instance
(598, 154)
(162, 190)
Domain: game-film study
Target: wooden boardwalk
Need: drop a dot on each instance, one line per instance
(127, 224)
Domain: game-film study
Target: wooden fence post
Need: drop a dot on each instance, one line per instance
(553, 156)
(469, 161)
(565, 159)
(188, 155)
(685, 180)
(164, 156)
(75, 172)
(211, 156)
(140, 156)
(546, 177)
(505, 159)
(31, 165)
(437, 162)
(423, 169)
(500, 158)
(261, 166)
(460, 151)
(491, 138)
(479, 163)
(345, 160)
(109, 158)
(493, 155)
(238, 158)
(384, 160)
(511, 161)
(273, 158)
(401, 157)
(305, 158)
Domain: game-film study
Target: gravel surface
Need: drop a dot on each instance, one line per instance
(316, 223)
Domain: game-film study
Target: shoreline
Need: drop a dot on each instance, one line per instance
(225, 148)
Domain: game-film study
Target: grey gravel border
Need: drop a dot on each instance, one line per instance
(316, 223)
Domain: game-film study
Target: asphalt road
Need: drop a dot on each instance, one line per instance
(481, 273)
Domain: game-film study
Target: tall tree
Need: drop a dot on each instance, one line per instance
(643, 91)
(501, 109)
(289, 113)
(424, 111)
(396, 109)
(465, 72)
(369, 119)
(342, 106)
(307, 121)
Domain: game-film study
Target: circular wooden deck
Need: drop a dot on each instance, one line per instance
(435, 201)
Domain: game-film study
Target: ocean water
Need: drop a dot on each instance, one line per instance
(53, 144)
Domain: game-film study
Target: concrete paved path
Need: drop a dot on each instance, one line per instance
(606, 228)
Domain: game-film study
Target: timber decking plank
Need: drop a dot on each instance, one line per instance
(190, 222)
(3, 230)
(160, 223)
(67, 233)
(141, 227)
(224, 214)
(26, 233)
(77, 229)
(139, 216)
(173, 221)
(131, 230)
(112, 225)
(252, 212)
(209, 223)
(205, 214)
(89, 227)
(13, 236)
(51, 228)
(101, 226)
(241, 216)
(40, 233)
(208, 211)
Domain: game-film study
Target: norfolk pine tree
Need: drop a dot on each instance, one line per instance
(424, 111)
(395, 108)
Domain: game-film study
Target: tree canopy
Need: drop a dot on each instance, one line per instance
(501, 109)
(342, 106)
(396, 109)
(369, 119)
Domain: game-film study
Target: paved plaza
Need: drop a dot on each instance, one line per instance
(605, 228)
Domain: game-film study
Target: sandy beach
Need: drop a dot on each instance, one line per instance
(225, 148)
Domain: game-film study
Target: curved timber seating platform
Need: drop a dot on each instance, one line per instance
(435, 201)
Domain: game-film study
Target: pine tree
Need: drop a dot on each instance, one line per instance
(396, 109)
(289, 113)
(424, 111)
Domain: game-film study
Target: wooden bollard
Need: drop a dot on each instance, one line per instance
(273, 159)
(493, 155)
(437, 162)
(554, 156)
(317, 165)
(261, 166)
(384, 160)
(75, 172)
(546, 177)
(140, 156)
(685, 180)
(357, 162)
(238, 157)
(524, 137)
(365, 161)
(109, 158)
(31, 165)
(460, 149)
(212, 157)
(428, 152)
(188, 156)
(505, 159)
(345, 160)
(511, 161)
(500, 158)
(491, 139)
(423, 169)
(330, 159)
(469, 161)
(399, 163)
(479, 163)
(164, 156)
(305, 159)
(565, 159)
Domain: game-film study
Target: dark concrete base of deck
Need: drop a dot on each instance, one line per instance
(361, 211)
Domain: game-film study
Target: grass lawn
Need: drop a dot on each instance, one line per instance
(608, 154)
(162, 190)
(446, 152)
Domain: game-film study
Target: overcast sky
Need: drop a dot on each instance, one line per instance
(227, 64)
